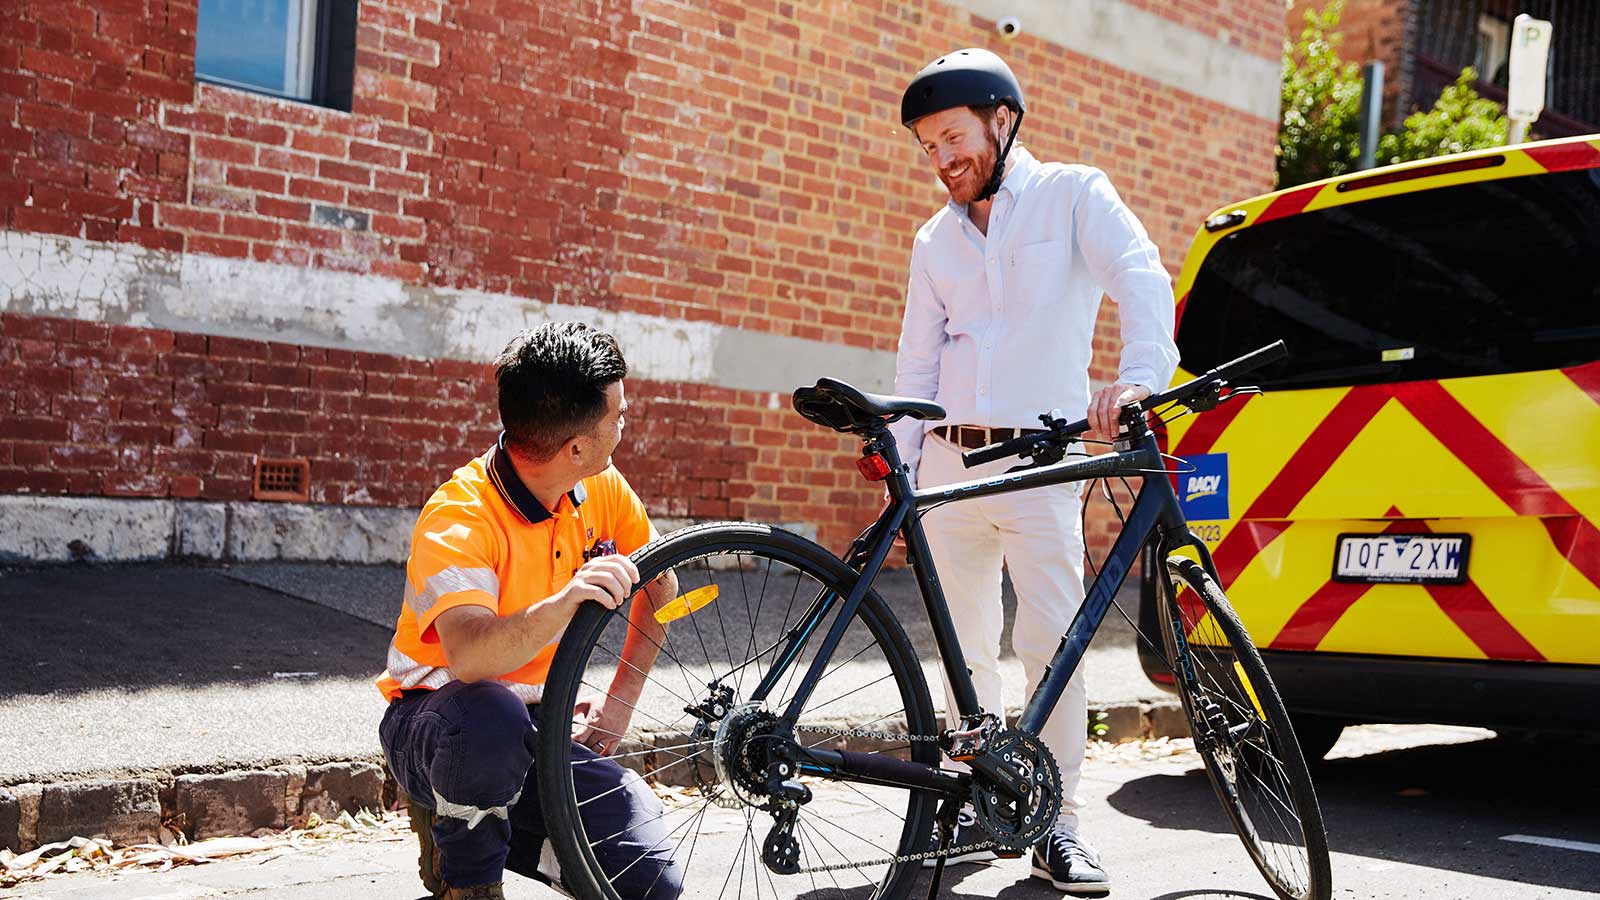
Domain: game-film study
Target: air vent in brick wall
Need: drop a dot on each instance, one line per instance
(283, 479)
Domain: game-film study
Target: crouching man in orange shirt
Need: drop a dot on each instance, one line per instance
(501, 557)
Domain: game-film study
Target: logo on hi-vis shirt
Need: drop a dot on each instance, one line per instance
(603, 547)
(1203, 493)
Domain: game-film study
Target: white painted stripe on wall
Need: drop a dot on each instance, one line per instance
(1146, 43)
(51, 529)
(68, 277)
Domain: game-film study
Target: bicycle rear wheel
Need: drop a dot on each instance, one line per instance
(749, 587)
(1241, 729)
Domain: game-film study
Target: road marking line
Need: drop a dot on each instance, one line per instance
(1551, 842)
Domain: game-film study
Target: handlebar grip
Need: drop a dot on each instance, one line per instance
(1249, 362)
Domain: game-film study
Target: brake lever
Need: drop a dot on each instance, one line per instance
(1210, 398)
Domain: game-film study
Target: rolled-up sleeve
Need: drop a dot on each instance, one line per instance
(1128, 266)
(916, 368)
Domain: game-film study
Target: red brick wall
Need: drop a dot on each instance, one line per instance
(121, 411)
(732, 162)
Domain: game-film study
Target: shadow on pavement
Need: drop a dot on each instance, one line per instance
(1442, 806)
(77, 628)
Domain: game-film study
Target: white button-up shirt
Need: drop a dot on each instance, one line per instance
(999, 329)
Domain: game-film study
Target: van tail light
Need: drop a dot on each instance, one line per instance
(873, 468)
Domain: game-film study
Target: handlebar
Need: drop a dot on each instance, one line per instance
(1060, 433)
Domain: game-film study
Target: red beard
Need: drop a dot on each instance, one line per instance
(966, 188)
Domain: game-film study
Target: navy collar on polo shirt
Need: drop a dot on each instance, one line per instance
(505, 479)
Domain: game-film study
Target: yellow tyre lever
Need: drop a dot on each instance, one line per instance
(686, 604)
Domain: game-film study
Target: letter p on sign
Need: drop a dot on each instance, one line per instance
(1530, 49)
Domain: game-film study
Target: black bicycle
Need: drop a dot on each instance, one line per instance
(787, 720)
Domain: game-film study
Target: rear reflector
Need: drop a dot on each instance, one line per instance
(873, 468)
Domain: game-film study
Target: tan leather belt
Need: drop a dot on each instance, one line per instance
(971, 437)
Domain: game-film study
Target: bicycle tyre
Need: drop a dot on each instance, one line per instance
(1258, 739)
(581, 871)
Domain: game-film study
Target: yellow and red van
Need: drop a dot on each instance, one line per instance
(1408, 520)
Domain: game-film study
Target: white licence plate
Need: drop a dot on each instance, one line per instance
(1404, 558)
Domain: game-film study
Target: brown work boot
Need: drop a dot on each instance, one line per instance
(476, 892)
(428, 857)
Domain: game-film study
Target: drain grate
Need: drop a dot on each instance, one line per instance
(283, 479)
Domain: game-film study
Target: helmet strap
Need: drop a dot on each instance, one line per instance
(998, 174)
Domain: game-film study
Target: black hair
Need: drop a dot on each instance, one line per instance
(552, 385)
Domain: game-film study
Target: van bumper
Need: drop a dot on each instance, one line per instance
(1369, 688)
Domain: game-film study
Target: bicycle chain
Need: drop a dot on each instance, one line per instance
(889, 860)
(869, 735)
(907, 857)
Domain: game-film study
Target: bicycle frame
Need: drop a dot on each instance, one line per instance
(1155, 510)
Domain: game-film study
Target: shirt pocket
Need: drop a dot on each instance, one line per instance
(1038, 275)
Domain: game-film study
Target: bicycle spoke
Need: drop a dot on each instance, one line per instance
(721, 625)
(852, 691)
(643, 673)
(836, 849)
(836, 667)
(729, 879)
(785, 620)
(615, 756)
(705, 808)
(744, 594)
(664, 838)
(800, 829)
(591, 686)
(636, 780)
(867, 797)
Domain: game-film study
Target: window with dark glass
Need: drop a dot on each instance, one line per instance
(1477, 279)
(297, 49)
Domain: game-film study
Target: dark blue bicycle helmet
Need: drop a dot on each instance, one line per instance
(970, 77)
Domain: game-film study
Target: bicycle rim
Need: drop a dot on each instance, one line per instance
(711, 818)
(1242, 731)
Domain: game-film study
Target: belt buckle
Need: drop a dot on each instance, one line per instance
(981, 432)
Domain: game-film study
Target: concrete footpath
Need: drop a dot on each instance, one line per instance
(218, 700)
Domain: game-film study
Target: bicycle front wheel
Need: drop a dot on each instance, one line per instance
(1241, 729)
(698, 727)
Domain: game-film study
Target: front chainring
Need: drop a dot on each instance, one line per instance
(1016, 825)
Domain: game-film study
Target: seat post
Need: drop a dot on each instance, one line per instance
(881, 441)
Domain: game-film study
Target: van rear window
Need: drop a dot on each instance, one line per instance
(1477, 279)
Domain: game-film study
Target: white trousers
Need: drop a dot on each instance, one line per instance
(1038, 535)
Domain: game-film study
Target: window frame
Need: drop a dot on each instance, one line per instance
(324, 32)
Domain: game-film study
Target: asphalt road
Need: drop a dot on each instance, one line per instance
(121, 669)
(1409, 816)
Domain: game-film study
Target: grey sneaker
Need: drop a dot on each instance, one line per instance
(967, 833)
(1071, 865)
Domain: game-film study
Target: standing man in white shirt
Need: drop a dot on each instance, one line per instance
(1005, 285)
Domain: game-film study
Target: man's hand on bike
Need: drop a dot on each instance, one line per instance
(599, 723)
(607, 580)
(1105, 408)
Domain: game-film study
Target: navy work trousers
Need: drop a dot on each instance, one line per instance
(467, 752)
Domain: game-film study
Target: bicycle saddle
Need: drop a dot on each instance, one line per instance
(842, 407)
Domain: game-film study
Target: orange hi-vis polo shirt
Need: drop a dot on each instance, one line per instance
(483, 539)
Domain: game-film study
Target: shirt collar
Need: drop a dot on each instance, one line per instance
(505, 479)
(1015, 180)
